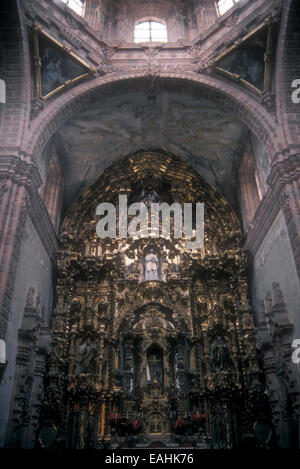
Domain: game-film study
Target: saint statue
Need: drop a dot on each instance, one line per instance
(220, 359)
(151, 266)
(87, 357)
(38, 304)
(82, 427)
(278, 295)
(30, 298)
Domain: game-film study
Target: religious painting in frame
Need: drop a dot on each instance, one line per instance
(56, 67)
(249, 60)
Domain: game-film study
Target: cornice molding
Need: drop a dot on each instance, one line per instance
(282, 173)
(42, 222)
(26, 174)
(83, 38)
(19, 170)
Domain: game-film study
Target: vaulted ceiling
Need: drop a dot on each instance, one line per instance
(172, 116)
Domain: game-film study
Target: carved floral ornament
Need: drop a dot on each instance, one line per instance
(222, 226)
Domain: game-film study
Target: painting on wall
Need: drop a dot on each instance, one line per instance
(246, 61)
(56, 67)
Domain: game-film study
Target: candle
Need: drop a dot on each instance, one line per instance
(2, 351)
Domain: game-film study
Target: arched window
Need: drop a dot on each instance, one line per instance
(150, 31)
(76, 5)
(225, 5)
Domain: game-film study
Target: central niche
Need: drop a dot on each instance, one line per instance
(155, 368)
(151, 339)
(151, 264)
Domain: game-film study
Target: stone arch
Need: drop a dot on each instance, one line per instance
(161, 305)
(288, 50)
(156, 18)
(228, 97)
(16, 74)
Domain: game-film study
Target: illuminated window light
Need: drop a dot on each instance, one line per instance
(150, 31)
(75, 5)
(225, 5)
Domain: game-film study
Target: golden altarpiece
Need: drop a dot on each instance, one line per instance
(163, 354)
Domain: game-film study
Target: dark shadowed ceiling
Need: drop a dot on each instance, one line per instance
(172, 116)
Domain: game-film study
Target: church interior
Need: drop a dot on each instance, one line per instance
(126, 341)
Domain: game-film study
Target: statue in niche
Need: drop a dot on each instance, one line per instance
(82, 429)
(38, 304)
(87, 357)
(151, 266)
(30, 298)
(220, 360)
(278, 295)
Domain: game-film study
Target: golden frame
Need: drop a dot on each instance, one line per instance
(37, 63)
(268, 59)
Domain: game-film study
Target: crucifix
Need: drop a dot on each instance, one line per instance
(155, 368)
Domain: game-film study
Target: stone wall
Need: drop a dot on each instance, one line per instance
(116, 20)
(274, 262)
(274, 239)
(34, 270)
